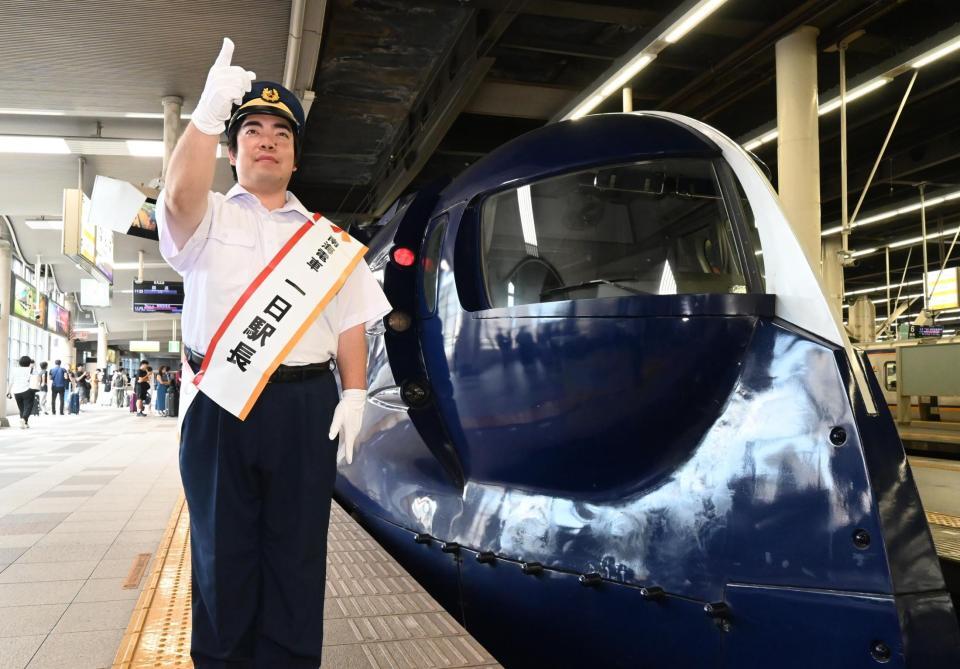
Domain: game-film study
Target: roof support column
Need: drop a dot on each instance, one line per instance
(172, 104)
(102, 346)
(798, 146)
(832, 269)
(5, 256)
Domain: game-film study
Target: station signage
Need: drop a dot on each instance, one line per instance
(921, 331)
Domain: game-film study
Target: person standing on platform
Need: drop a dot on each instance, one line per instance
(273, 293)
(142, 386)
(119, 386)
(58, 383)
(19, 388)
(44, 387)
(94, 384)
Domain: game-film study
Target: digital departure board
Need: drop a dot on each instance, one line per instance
(150, 297)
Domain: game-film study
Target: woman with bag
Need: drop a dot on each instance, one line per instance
(19, 388)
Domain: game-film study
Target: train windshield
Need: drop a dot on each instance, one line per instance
(650, 228)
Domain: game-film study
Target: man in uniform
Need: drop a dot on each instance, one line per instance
(258, 489)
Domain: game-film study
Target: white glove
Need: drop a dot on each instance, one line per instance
(226, 85)
(347, 418)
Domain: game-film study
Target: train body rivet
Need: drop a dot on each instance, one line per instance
(531, 568)
(716, 609)
(652, 593)
(593, 578)
(880, 651)
(838, 436)
(486, 557)
(421, 538)
(861, 539)
(450, 547)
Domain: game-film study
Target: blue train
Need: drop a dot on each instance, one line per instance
(614, 422)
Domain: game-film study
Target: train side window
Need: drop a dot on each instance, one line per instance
(430, 262)
(651, 228)
(890, 375)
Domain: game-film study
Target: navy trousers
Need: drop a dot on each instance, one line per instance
(259, 497)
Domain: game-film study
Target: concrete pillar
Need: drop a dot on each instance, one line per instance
(102, 346)
(5, 307)
(798, 148)
(171, 128)
(832, 271)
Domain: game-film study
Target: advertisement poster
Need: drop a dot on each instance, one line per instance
(144, 224)
(88, 234)
(104, 261)
(58, 319)
(25, 301)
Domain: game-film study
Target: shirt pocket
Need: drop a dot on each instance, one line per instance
(231, 256)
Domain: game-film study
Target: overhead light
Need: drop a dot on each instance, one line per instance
(25, 144)
(929, 203)
(44, 223)
(33, 112)
(892, 286)
(754, 144)
(691, 19)
(145, 148)
(135, 265)
(586, 107)
(917, 240)
(150, 115)
(642, 55)
(936, 54)
(854, 94)
(626, 73)
(864, 252)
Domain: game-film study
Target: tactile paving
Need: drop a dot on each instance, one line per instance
(945, 530)
(372, 606)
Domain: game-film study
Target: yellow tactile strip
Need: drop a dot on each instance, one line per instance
(159, 631)
(376, 615)
(943, 519)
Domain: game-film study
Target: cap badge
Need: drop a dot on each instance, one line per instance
(270, 95)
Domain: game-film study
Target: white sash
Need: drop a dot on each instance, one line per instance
(273, 314)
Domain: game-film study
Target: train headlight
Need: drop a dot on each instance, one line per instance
(398, 321)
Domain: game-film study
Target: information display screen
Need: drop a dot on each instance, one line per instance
(926, 331)
(151, 297)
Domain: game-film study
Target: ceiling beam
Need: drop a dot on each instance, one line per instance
(504, 98)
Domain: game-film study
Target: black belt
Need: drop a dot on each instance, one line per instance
(283, 373)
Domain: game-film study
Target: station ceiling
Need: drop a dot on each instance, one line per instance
(407, 91)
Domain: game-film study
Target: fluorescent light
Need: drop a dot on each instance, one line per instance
(150, 115)
(898, 211)
(33, 112)
(146, 148)
(44, 223)
(917, 240)
(937, 54)
(892, 286)
(864, 252)
(691, 19)
(855, 94)
(134, 265)
(755, 144)
(24, 144)
(586, 107)
(626, 73)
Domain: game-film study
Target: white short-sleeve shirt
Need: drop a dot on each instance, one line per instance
(235, 240)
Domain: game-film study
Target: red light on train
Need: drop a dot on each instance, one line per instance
(403, 257)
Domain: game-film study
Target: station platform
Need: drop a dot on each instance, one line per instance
(95, 560)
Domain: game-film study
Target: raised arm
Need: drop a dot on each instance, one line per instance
(190, 172)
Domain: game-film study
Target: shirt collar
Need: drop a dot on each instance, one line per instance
(292, 204)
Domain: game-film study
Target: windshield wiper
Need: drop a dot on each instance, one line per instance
(596, 282)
